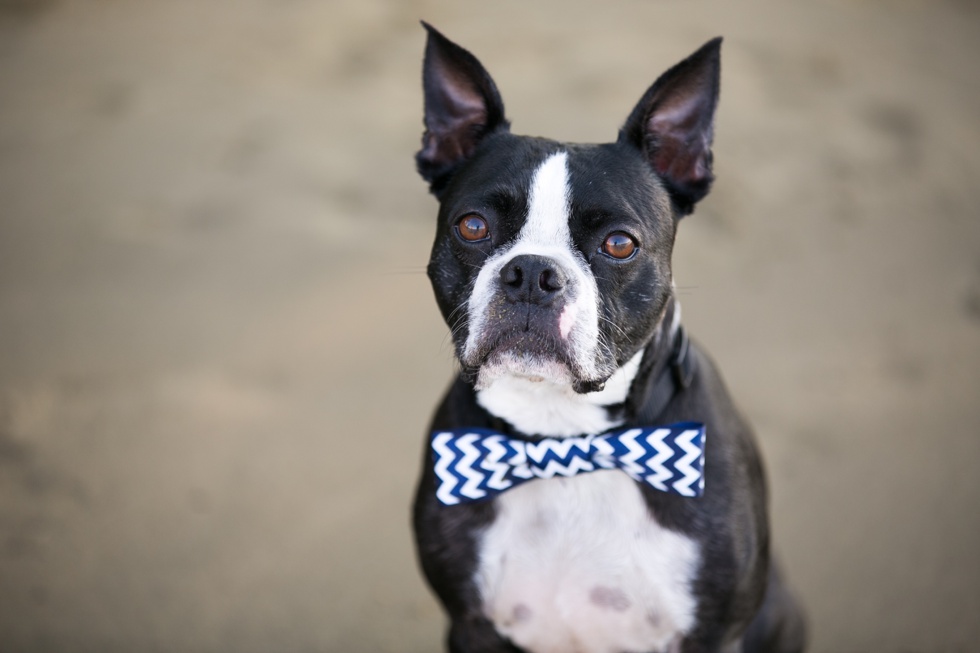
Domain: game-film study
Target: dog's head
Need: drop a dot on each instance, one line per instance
(552, 261)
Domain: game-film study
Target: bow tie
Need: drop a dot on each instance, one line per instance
(474, 464)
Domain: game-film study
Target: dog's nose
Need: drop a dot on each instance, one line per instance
(533, 279)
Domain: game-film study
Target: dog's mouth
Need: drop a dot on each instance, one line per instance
(537, 352)
(527, 353)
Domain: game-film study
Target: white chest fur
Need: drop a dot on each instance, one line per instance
(579, 564)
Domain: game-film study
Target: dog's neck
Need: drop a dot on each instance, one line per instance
(556, 410)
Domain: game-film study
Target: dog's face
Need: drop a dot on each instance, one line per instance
(552, 261)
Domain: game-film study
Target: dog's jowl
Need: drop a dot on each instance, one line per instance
(588, 486)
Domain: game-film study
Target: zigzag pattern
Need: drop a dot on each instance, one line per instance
(474, 464)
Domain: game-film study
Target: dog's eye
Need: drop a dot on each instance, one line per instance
(619, 245)
(473, 228)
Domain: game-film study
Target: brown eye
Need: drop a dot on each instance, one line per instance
(619, 245)
(472, 228)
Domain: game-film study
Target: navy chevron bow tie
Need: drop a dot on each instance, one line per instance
(474, 464)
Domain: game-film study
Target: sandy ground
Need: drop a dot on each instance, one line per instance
(218, 350)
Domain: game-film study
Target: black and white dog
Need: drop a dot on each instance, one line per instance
(552, 268)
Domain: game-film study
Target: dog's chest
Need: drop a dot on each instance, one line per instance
(580, 564)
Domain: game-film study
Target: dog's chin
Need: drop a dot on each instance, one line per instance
(534, 369)
(521, 365)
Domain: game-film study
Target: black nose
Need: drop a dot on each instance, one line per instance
(533, 279)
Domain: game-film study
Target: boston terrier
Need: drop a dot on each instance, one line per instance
(588, 485)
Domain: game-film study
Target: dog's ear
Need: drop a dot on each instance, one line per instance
(673, 125)
(462, 106)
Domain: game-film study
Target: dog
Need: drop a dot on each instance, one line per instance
(552, 268)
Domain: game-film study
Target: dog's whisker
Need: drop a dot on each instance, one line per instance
(613, 324)
(404, 270)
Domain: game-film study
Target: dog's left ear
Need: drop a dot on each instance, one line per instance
(462, 106)
(673, 125)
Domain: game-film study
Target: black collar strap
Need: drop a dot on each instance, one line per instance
(675, 375)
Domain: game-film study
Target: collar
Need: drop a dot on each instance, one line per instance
(670, 374)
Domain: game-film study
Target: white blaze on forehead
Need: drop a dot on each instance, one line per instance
(547, 218)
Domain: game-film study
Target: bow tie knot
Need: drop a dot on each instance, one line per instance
(473, 464)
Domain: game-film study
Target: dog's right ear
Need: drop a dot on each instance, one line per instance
(462, 106)
(673, 125)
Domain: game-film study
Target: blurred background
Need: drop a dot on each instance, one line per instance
(219, 351)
